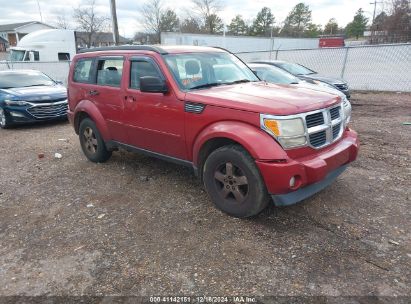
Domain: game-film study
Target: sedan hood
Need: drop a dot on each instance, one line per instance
(262, 97)
(36, 94)
(327, 79)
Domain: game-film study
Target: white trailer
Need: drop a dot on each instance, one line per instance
(45, 45)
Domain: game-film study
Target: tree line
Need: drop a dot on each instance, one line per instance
(392, 24)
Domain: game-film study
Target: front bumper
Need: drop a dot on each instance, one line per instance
(37, 112)
(311, 173)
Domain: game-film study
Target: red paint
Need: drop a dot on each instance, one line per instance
(158, 122)
(328, 42)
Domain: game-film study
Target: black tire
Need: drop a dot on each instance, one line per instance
(244, 194)
(4, 119)
(92, 143)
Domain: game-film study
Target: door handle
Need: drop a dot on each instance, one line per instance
(93, 92)
(131, 98)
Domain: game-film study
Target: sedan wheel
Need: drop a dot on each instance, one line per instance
(3, 119)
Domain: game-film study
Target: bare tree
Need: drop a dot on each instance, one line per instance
(89, 21)
(62, 22)
(206, 9)
(151, 12)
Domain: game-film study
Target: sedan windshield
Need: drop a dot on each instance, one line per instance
(24, 79)
(274, 75)
(204, 70)
(295, 69)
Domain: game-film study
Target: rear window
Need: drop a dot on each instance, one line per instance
(82, 71)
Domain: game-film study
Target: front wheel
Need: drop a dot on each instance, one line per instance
(234, 182)
(92, 142)
(4, 119)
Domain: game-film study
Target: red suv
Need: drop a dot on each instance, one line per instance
(249, 141)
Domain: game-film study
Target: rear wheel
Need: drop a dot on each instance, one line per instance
(234, 183)
(4, 119)
(92, 143)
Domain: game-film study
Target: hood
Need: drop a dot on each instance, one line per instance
(319, 88)
(37, 94)
(262, 97)
(327, 79)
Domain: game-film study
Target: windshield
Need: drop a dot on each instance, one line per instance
(274, 75)
(24, 79)
(17, 55)
(202, 70)
(295, 68)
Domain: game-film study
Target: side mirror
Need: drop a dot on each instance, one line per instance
(150, 84)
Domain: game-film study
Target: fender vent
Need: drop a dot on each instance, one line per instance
(192, 107)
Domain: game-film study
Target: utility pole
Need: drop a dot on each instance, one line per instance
(41, 16)
(116, 36)
(373, 18)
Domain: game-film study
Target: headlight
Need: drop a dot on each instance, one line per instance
(290, 132)
(15, 102)
(347, 111)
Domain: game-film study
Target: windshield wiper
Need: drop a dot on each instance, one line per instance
(206, 85)
(239, 81)
(34, 85)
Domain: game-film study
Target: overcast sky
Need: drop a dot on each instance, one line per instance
(129, 19)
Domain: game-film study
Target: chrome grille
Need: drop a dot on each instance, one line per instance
(336, 130)
(318, 139)
(49, 110)
(335, 113)
(324, 126)
(314, 119)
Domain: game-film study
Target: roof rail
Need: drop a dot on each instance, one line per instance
(221, 48)
(127, 48)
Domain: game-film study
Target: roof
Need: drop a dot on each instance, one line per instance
(161, 49)
(13, 26)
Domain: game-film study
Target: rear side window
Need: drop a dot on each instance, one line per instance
(82, 71)
(140, 69)
(109, 72)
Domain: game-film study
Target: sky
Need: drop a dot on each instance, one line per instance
(130, 20)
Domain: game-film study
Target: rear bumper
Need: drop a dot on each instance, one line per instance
(311, 173)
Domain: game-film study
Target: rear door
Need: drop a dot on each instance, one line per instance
(155, 120)
(107, 91)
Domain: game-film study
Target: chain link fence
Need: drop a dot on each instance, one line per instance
(371, 68)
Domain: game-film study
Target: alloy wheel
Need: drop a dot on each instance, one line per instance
(90, 140)
(2, 118)
(231, 182)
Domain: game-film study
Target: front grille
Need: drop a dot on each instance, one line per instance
(335, 113)
(314, 119)
(336, 130)
(48, 111)
(341, 86)
(318, 139)
(324, 126)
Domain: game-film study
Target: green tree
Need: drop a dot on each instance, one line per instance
(313, 30)
(331, 28)
(207, 11)
(238, 26)
(263, 23)
(190, 25)
(169, 21)
(213, 24)
(357, 27)
(297, 21)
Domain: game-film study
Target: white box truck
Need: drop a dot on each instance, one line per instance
(45, 45)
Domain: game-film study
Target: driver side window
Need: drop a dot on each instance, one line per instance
(141, 69)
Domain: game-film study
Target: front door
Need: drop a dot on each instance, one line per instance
(155, 120)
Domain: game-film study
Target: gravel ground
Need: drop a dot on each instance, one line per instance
(140, 226)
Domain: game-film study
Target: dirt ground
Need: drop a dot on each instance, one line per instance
(140, 226)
